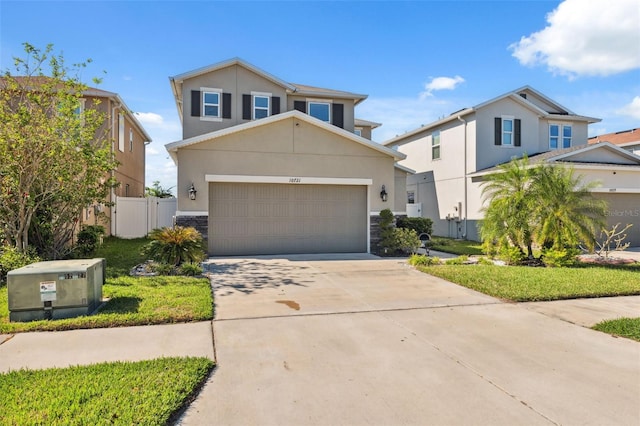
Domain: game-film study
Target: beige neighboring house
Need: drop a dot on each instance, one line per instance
(452, 156)
(270, 167)
(128, 141)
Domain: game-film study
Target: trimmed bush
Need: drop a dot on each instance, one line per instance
(422, 260)
(89, 238)
(191, 269)
(555, 258)
(11, 258)
(511, 255)
(421, 225)
(460, 260)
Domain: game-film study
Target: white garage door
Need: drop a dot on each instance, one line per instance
(248, 218)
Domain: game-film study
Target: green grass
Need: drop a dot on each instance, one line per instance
(459, 247)
(121, 254)
(133, 301)
(522, 283)
(146, 393)
(623, 327)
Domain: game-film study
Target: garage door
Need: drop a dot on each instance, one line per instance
(248, 218)
(624, 209)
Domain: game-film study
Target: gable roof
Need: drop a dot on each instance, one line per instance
(556, 111)
(297, 89)
(581, 155)
(359, 122)
(88, 92)
(622, 138)
(173, 147)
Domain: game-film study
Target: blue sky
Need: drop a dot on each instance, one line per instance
(417, 60)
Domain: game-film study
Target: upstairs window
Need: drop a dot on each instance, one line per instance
(130, 140)
(435, 145)
(261, 105)
(560, 136)
(358, 132)
(121, 132)
(320, 110)
(507, 131)
(211, 104)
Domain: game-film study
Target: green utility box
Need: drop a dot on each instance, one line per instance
(55, 289)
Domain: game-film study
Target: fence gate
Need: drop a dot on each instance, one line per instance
(135, 217)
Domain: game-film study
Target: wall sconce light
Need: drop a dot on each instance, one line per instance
(192, 192)
(383, 194)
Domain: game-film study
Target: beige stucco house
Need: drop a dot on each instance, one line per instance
(452, 156)
(270, 167)
(128, 142)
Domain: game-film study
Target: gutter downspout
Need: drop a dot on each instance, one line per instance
(114, 207)
(466, 210)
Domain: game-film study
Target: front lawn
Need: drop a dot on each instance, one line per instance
(623, 327)
(523, 283)
(123, 393)
(121, 254)
(459, 247)
(132, 301)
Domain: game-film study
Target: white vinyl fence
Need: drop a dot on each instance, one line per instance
(135, 217)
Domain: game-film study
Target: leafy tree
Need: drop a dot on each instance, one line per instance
(55, 156)
(507, 219)
(566, 213)
(158, 191)
(543, 204)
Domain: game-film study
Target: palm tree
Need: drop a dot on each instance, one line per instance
(508, 216)
(566, 213)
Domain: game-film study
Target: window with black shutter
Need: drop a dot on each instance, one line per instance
(226, 105)
(195, 103)
(337, 115)
(300, 106)
(275, 105)
(246, 107)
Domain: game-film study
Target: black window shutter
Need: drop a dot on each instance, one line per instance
(275, 105)
(337, 115)
(226, 105)
(195, 103)
(246, 107)
(498, 131)
(300, 106)
(517, 132)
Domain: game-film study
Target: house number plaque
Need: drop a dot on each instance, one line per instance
(295, 180)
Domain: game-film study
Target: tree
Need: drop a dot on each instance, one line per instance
(544, 204)
(158, 191)
(55, 157)
(566, 213)
(507, 219)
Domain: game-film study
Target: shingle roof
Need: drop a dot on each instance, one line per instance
(618, 138)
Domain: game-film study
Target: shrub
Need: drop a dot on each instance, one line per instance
(422, 260)
(191, 269)
(511, 255)
(558, 258)
(485, 261)
(89, 239)
(162, 268)
(421, 225)
(11, 258)
(175, 245)
(460, 260)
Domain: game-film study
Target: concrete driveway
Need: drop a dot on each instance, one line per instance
(358, 340)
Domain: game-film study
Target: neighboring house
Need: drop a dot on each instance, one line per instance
(128, 141)
(452, 155)
(270, 167)
(627, 139)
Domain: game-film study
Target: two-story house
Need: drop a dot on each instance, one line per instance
(452, 155)
(271, 167)
(128, 142)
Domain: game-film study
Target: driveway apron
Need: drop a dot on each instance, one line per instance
(358, 340)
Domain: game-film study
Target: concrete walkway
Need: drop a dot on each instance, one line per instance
(333, 339)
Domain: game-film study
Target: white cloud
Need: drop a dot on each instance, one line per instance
(632, 109)
(152, 151)
(149, 118)
(592, 38)
(400, 115)
(441, 83)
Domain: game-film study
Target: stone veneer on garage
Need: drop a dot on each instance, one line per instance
(201, 223)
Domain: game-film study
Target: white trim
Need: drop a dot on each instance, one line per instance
(203, 115)
(297, 180)
(617, 190)
(192, 213)
(254, 107)
(323, 102)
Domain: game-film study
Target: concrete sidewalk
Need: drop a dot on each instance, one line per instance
(40, 350)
